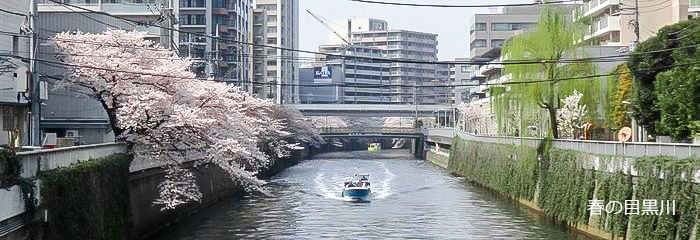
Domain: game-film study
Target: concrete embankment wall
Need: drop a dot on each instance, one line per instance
(214, 183)
(552, 178)
(143, 216)
(437, 158)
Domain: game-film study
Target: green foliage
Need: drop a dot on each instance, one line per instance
(10, 169)
(619, 91)
(566, 187)
(552, 39)
(505, 168)
(677, 185)
(88, 200)
(677, 93)
(615, 187)
(648, 67)
(567, 182)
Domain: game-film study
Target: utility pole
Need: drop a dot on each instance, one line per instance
(35, 129)
(415, 105)
(636, 22)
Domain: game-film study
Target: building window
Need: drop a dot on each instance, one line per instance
(496, 43)
(195, 19)
(479, 27)
(509, 26)
(220, 3)
(479, 43)
(9, 122)
(465, 69)
(15, 45)
(192, 4)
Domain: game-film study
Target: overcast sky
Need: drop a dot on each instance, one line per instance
(451, 24)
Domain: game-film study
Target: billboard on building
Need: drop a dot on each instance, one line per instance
(323, 74)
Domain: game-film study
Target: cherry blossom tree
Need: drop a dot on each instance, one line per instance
(399, 122)
(156, 104)
(571, 115)
(299, 128)
(328, 122)
(476, 118)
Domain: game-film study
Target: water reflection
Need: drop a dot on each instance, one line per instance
(412, 200)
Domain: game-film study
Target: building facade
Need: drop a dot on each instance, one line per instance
(460, 77)
(281, 65)
(491, 30)
(611, 22)
(364, 81)
(216, 35)
(425, 81)
(14, 77)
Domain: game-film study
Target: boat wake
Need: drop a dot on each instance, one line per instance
(331, 185)
(384, 187)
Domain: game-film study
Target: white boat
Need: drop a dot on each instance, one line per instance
(357, 189)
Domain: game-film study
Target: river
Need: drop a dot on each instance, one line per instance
(412, 199)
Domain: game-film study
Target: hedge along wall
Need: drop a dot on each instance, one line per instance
(561, 183)
(88, 200)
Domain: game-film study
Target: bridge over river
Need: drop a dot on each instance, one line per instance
(413, 199)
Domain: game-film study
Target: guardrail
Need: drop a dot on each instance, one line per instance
(371, 130)
(630, 149)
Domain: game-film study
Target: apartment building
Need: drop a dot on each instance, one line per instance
(215, 34)
(611, 22)
(14, 42)
(260, 87)
(281, 66)
(413, 46)
(363, 80)
(491, 30)
(461, 75)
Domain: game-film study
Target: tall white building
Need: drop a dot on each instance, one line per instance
(410, 46)
(611, 22)
(281, 66)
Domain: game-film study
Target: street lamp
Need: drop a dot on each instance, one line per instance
(637, 133)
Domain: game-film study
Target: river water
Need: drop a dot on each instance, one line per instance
(412, 199)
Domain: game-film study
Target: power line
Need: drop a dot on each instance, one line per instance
(227, 40)
(511, 62)
(13, 13)
(377, 86)
(463, 6)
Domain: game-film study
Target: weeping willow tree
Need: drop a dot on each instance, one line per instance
(534, 88)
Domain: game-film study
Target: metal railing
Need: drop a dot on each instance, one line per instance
(611, 148)
(376, 130)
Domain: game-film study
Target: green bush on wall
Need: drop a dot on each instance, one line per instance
(505, 168)
(88, 200)
(10, 169)
(561, 184)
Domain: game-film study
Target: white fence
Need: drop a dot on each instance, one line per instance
(632, 149)
(11, 203)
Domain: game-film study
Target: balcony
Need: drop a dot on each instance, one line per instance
(602, 26)
(219, 11)
(596, 7)
(130, 9)
(694, 6)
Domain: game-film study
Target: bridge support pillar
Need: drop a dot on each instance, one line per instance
(417, 147)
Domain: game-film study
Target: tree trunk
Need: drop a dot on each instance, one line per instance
(553, 121)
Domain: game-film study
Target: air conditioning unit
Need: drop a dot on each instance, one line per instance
(22, 76)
